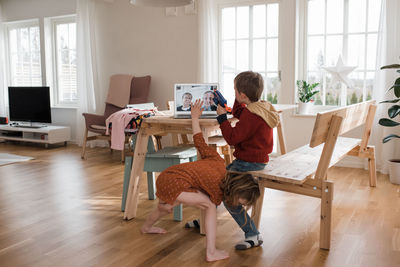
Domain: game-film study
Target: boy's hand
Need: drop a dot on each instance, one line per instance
(221, 110)
(196, 109)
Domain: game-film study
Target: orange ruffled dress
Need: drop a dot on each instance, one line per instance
(203, 175)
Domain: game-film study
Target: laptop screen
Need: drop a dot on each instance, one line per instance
(188, 93)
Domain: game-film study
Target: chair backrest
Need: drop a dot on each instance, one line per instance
(330, 124)
(140, 88)
(353, 116)
(110, 109)
(119, 90)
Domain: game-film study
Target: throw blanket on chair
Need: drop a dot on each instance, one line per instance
(125, 120)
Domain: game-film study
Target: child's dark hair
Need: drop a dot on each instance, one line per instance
(251, 84)
(240, 185)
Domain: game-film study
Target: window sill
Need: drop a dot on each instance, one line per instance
(313, 112)
(64, 107)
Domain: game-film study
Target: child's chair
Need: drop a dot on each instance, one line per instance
(157, 161)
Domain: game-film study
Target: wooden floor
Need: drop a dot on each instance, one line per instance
(59, 210)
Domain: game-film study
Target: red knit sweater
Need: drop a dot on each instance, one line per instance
(251, 136)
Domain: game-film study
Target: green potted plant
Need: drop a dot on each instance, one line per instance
(393, 112)
(306, 92)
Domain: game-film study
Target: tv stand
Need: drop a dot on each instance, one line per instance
(46, 135)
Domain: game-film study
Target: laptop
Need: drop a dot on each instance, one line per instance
(184, 94)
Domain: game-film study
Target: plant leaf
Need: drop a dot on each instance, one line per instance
(388, 122)
(392, 66)
(393, 111)
(390, 101)
(390, 137)
(396, 87)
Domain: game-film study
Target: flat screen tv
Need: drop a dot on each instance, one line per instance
(29, 104)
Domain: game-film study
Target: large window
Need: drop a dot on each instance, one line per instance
(25, 63)
(60, 33)
(65, 60)
(346, 28)
(249, 41)
(24, 53)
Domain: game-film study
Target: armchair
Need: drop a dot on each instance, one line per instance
(121, 86)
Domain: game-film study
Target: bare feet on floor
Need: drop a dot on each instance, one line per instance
(217, 255)
(153, 230)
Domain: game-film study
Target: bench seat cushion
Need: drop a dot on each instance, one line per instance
(294, 167)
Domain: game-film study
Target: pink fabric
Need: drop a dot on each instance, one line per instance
(120, 120)
(120, 90)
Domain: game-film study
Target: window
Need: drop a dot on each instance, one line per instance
(62, 57)
(24, 53)
(249, 41)
(347, 28)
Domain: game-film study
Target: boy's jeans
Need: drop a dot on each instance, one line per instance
(239, 213)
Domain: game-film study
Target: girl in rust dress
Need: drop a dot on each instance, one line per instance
(199, 184)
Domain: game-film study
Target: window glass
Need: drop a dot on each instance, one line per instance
(24, 54)
(249, 41)
(259, 55)
(316, 20)
(273, 20)
(315, 52)
(334, 20)
(259, 20)
(243, 22)
(228, 23)
(357, 13)
(356, 47)
(66, 62)
(272, 54)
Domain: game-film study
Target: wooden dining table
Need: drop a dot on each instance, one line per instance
(164, 123)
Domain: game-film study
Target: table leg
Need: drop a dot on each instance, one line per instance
(136, 173)
(281, 135)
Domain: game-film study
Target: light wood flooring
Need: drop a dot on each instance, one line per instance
(59, 210)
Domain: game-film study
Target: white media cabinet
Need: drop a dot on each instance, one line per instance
(46, 135)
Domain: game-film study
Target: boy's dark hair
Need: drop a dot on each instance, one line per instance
(251, 84)
(239, 185)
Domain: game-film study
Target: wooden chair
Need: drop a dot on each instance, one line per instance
(139, 90)
(157, 161)
(304, 170)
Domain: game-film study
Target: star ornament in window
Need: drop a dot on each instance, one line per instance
(339, 73)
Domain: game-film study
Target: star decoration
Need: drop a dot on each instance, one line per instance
(340, 72)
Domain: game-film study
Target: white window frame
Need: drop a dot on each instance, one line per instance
(15, 25)
(51, 56)
(238, 3)
(302, 63)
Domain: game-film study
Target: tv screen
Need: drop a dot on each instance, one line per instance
(30, 104)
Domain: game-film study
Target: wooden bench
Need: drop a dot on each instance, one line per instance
(304, 170)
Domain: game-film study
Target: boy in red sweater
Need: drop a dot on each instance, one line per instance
(252, 138)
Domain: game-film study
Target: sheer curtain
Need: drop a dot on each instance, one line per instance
(3, 111)
(86, 64)
(388, 52)
(208, 36)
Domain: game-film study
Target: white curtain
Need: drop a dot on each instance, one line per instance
(388, 52)
(3, 86)
(86, 64)
(208, 36)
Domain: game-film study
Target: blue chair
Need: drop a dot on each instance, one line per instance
(157, 161)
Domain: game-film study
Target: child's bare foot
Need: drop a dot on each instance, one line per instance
(152, 230)
(217, 255)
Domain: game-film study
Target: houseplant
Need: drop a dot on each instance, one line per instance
(306, 93)
(393, 112)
